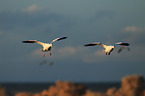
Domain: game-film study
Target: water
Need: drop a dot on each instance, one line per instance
(13, 88)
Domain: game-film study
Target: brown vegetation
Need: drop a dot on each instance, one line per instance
(24, 94)
(61, 89)
(131, 86)
(2, 91)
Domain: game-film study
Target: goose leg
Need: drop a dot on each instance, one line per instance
(43, 54)
(50, 53)
(109, 53)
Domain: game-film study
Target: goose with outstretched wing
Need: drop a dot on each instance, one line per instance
(46, 46)
(108, 49)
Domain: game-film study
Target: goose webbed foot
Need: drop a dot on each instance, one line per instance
(43, 55)
(50, 53)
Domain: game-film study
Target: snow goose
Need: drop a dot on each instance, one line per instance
(46, 46)
(108, 49)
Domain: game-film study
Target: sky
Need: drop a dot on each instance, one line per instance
(83, 22)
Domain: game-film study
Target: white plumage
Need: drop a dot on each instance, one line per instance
(46, 46)
(108, 49)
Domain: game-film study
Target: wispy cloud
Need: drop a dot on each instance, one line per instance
(36, 53)
(99, 53)
(57, 53)
(86, 55)
(134, 34)
(133, 29)
(68, 50)
(94, 56)
(65, 52)
(33, 8)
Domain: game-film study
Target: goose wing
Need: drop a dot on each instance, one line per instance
(33, 41)
(93, 44)
(57, 39)
(122, 43)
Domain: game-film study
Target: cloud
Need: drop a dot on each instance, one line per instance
(36, 53)
(79, 53)
(94, 56)
(39, 20)
(99, 53)
(134, 34)
(57, 53)
(33, 8)
(68, 50)
(86, 55)
(133, 29)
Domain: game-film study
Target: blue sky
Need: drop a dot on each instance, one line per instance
(82, 21)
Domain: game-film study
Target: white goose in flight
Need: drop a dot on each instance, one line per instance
(46, 46)
(108, 49)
